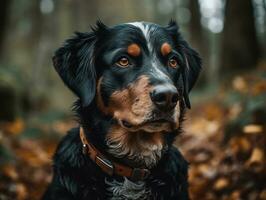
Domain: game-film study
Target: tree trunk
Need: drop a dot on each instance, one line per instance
(8, 103)
(4, 11)
(197, 38)
(195, 30)
(240, 49)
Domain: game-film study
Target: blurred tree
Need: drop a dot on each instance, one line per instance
(240, 49)
(3, 21)
(8, 102)
(8, 98)
(195, 28)
(264, 35)
(196, 34)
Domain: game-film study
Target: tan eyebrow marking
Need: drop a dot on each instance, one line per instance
(133, 50)
(166, 49)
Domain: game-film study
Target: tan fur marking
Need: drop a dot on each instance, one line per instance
(132, 104)
(166, 49)
(133, 50)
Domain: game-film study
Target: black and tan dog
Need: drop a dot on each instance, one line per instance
(132, 81)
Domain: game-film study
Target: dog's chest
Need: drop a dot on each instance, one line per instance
(127, 190)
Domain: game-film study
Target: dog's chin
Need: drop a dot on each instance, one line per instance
(155, 126)
(140, 145)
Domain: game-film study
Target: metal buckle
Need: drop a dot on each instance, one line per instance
(140, 174)
(105, 164)
(84, 149)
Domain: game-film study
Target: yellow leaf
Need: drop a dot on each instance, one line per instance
(221, 183)
(252, 129)
(239, 144)
(240, 84)
(235, 195)
(10, 171)
(14, 128)
(257, 156)
(21, 191)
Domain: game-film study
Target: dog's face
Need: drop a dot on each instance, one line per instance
(138, 84)
(137, 76)
(138, 73)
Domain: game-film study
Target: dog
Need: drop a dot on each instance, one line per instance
(132, 81)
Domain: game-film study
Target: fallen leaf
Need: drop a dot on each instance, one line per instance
(252, 129)
(240, 84)
(10, 171)
(257, 156)
(263, 194)
(239, 144)
(14, 128)
(259, 88)
(235, 195)
(21, 191)
(221, 183)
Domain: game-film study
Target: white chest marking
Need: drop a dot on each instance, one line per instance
(127, 190)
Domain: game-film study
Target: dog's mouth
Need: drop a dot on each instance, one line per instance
(150, 125)
(127, 124)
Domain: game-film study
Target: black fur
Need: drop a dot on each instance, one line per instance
(77, 177)
(74, 63)
(80, 63)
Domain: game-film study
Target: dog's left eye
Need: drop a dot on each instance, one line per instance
(123, 62)
(172, 62)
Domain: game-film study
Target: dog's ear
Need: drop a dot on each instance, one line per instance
(191, 61)
(74, 62)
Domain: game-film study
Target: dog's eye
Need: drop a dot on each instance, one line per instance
(123, 62)
(172, 62)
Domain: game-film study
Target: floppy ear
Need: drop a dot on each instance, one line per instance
(191, 64)
(74, 62)
(191, 69)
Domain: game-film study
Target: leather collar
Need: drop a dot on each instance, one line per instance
(108, 166)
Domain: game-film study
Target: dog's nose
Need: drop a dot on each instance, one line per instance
(164, 97)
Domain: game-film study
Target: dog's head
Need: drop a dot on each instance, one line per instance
(138, 73)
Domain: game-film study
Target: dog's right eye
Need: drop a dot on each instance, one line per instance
(172, 63)
(123, 62)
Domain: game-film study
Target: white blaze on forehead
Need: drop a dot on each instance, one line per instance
(146, 30)
(142, 27)
(155, 70)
